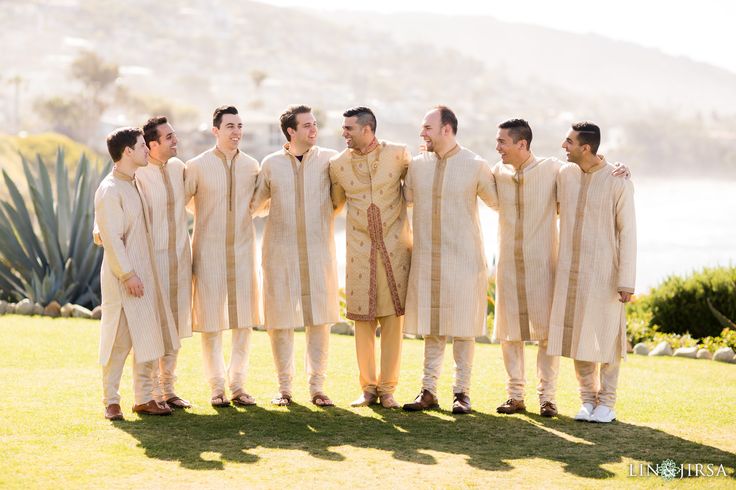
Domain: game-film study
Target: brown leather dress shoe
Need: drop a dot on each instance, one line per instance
(424, 401)
(152, 408)
(512, 406)
(461, 404)
(113, 412)
(548, 409)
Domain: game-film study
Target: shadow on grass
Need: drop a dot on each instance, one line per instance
(489, 442)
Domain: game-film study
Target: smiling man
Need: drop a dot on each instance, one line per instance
(368, 176)
(448, 278)
(299, 266)
(221, 182)
(162, 183)
(596, 271)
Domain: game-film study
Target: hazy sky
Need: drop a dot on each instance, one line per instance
(701, 30)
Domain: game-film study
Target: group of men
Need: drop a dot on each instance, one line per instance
(563, 289)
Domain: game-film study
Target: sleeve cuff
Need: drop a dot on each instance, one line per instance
(127, 276)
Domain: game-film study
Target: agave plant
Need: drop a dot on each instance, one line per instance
(51, 256)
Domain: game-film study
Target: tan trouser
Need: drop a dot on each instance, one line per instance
(282, 346)
(214, 364)
(113, 370)
(365, 339)
(463, 350)
(548, 367)
(598, 382)
(164, 376)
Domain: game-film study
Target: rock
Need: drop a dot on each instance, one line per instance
(37, 309)
(641, 349)
(629, 349)
(724, 354)
(690, 352)
(342, 328)
(52, 309)
(24, 307)
(10, 308)
(97, 313)
(485, 339)
(299, 328)
(3, 306)
(662, 349)
(704, 354)
(66, 310)
(80, 312)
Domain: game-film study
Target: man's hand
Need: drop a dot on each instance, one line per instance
(134, 286)
(621, 170)
(624, 296)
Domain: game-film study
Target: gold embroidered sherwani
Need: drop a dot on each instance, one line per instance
(597, 259)
(377, 230)
(123, 230)
(163, 188)
(226, 292)
(378, 255)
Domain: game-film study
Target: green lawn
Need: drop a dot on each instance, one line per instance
(53, 433)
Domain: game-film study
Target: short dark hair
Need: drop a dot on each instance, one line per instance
(120, 139)
(588, 134)
(365, 116)
(288, 118)
(221, 111)
(150, 129)
(447, 117)
(518, 129)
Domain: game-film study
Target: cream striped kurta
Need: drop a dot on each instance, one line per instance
(448, 278)
(597, 259)
(527, 248)
(122, 228)
(163, 188)
(299, 266)
(376, 229)
(226, 292)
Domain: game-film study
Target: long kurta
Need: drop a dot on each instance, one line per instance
(597, 259)
(449, 275)
(226, 292)
(527, 248)
(122, 228)
(377, 230)
(163, 189)
(299, 266)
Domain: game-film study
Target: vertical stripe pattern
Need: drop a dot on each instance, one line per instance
(521, 296)
(232, 302)
(173, 256)
(301, 237)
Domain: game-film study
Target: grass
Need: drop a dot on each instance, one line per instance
(53, 433)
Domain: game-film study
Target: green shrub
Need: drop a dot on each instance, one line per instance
(680, 304)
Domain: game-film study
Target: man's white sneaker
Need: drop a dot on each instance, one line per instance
(603, 414)
(585, 412)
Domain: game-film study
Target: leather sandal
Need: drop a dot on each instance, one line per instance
(176, 402)
(322, 400)
(220, 400)
(243, 399)
(282, 400)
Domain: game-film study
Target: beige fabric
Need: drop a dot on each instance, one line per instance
(448, 279)
(226, 292)
(163, 188)
(598, 382)
(214, 364)
(527, 248)
(463, 351)
(299, 265)
(113, 370)
(548, 367)
(597, 259)
(377, 229)
(282, 346)
(164, 376)
(385, 381)
(122, 228)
